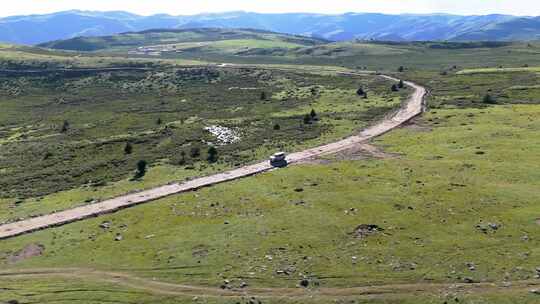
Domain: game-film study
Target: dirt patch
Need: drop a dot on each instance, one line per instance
(358, 152)
(200, 251)
(27, 252)
(417, 125)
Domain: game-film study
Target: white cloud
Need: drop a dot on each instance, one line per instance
(185, 7)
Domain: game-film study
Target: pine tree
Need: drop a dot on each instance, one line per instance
(212, 154)
(65, 126)
(128, 149)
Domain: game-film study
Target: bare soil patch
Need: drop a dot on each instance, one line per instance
(27, 252)
(416, 125)
(358, 152)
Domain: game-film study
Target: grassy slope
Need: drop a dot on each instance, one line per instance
(106, 110)
(429, 201)
(171, 37)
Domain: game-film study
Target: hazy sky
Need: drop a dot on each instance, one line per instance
(186, 7)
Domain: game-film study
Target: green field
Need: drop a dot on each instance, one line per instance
(450, 213)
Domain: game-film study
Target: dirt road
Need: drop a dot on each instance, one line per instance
(171, 289)
(414, 106)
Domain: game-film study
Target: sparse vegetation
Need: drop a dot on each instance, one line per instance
(466, 168)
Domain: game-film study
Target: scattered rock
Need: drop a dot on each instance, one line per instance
(118, 237)
(364, 230)
(471, 266)
(243, 285)
(535, 291)
(27, 252)
(105, 225)
(299, 190)
(468, 280)
(488, 228)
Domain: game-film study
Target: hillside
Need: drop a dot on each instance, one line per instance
(187, 38)
(35, 29)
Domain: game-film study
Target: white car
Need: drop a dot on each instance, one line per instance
(278, 159)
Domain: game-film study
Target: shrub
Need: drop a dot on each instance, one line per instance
(195, 152)
(141, 169)
(488, 99)
(394, 88)
(277, 127)
(360, 92)
(212, 154)
(307, 119)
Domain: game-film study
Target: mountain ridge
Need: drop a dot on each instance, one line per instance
(36, 29)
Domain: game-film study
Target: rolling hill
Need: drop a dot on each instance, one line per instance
(180, 39)
(35, 29)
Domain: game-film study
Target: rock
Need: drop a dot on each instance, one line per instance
(471, 266)
(243, 285)
(118, 237)
(535, 291)
(365, 230)
(468, 280)
(494, 226)
(299, 190)
(105, 225)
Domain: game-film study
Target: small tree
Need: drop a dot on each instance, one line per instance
(360, 92)
(65, 126)
(128, 149)
(141, 169)
(401, 69)
(277, 127)
(365, 95)
(159, 121)
(195, 152)
(313, 114)
(307, 119)
(212, 154)
(394, 88)
(401, 84)
(263, 95)
(488, 99)
(182, 160)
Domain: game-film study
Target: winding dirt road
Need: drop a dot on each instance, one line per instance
(413, 107)
(171, 289)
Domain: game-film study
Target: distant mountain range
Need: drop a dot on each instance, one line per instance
(35, 29)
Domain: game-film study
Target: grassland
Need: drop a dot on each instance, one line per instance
(458, 175)
(455, 201)
(162, 114)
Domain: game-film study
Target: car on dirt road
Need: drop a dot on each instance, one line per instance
(279, 159)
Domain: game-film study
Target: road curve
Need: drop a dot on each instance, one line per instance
(413, 107)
